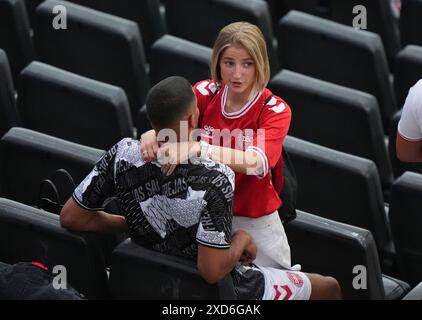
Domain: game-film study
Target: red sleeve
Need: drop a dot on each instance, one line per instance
(204, 91)
(273, 125)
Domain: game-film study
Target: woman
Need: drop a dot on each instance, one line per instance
(242, 125)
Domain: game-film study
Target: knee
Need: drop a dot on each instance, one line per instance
(333, 288)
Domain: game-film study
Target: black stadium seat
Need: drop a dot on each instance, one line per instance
(95, 45)
(8, 112)
(146, 13)
(27, 157)
(200, 21)
(71, 107)
(174, 56)
(344, 188)
(15, 36)
(379, 17)
(407, 71)
(343, 251)
(339, 54)
(406, 221)
(140, 273)
(30, 234)
(335, 117)
(410, 22)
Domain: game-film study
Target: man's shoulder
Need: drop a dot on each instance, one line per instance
(215, 168)
(129, 150)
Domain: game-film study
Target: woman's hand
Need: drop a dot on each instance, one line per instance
(169, 155)
(149, 145)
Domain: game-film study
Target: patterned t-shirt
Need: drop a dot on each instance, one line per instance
(170, 214)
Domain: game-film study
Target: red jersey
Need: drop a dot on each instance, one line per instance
(257, 127)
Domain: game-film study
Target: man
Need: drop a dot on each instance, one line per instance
(187, 213)
(409, 131)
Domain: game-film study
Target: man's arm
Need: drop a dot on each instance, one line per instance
(75, 218)
(214, 264)
(408, 151)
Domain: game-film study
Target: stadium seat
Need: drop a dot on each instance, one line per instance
(415, 293)
(95, 45)
(32, 234)
(379, 17)
(72, 107)
(406, 221)
(142, 122)
(335, 117)
(345, 252)
(145, 13)
(399, 167)
(31, 6)
(172, 56)
(15, 36)
(140, 273)
(8, 112)
(27, 157)
(343, 188)
(410, 22)
(339, 54)
(407, 71)
(200, 21)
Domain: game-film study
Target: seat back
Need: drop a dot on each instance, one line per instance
(8, 112)
(339, 54)
(343, 188)
(67, 106)
(145, 13)
(27, 157)
(174, 56)
(345, 252)
(140, 273)
(407, 71)
(36, 235)
(15, 36)
(95, 45)
(410, 22)
(336, 117)
(378, 13)
(203, 20)
(406, 219)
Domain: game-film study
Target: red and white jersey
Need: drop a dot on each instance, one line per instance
(257, 127)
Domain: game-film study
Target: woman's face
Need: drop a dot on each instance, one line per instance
(237, 70)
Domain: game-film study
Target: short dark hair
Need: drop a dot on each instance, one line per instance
(168, 101)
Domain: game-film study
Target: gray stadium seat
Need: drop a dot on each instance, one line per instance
(335, 117)
(410, 22)
(145, 13)
(407, 71)
(95, 45)
(140, 273)
(200, 21)
(334, 249)
(399, 167)
(15, 36)
(406, 221)
(174, 56)
(32, 234)
(379, 17)
(8, 112)
(71, 107)
(27, 157)
(344, 188)
(339, 54)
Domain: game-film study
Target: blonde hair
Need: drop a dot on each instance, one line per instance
(249, 37)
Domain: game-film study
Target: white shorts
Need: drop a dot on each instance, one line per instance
(285, 285)
(273, 249)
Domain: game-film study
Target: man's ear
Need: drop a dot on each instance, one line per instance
(192, 121)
